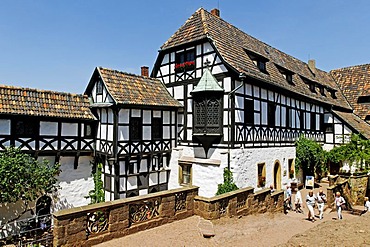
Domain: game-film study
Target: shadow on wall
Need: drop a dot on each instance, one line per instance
(10, 211)
(61, 204)
(69, 174)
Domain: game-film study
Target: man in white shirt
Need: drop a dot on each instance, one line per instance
(321, 200)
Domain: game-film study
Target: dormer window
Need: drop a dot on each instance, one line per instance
(311, 84)
(261, 65)
(332, 93)
(312, 87)
(258, 60)
(289, 78)
(322, 91)
(288, 75)
(185, 60)
(363, 99)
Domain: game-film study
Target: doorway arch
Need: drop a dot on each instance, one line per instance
(277, 175)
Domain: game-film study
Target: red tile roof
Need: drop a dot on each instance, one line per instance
(233, 46)
(355, 82)
(35, 102)
(355, 122)
(132, 89)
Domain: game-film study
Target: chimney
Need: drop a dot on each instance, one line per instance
(145, 71)
(312, 66)
(215, 12)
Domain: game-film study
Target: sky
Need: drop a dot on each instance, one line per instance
(55, 45)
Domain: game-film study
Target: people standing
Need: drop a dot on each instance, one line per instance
(298, 201)
(310, 201)
(288, 198)
(367, 205)
(339, 203)
(321, 200)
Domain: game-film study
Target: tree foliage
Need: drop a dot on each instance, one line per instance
(97, 194)
(24, 178)
(356, 151)
(228, 184)
(310, 157)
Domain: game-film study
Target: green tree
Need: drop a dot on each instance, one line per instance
(23, 178)
(97, 194)
(228, 184)
(356, 151)
(310, 157)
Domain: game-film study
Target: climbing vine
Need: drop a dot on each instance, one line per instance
(228, 184)
(355, 152)
(310, 157)
(97, 194)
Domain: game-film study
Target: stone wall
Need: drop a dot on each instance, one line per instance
(92, 224)
(344, 188)
(358, 186)
(239, 202)
(353, 188)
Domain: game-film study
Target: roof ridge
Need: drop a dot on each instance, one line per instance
(350, 67)
(129, 74)
(198, 11)
(258, 40)
(39, 90)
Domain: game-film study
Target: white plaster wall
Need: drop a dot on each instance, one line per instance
(243, 165)
(75, 183)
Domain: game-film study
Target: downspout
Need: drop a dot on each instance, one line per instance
(231, 94)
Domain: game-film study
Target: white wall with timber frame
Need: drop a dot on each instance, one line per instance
(134, 144)
(263, 121)
(69, 142)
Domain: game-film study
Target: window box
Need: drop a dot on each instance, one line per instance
(185, 66)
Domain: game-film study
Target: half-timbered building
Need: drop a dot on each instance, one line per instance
(261, 100)
(136, 131)
(54, 126)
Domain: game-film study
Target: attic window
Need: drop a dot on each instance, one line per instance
(185, 60)
(288, 75)
(363, 99)
(312, 87)
(99, 87)
(322, 91)
(258, 60)
(332, 93)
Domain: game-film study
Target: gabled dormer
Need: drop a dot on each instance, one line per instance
(258, 60)
(207, 110)
(287, 74)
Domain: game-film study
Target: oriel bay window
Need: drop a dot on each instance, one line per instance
(207, 105)
(207, 115)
